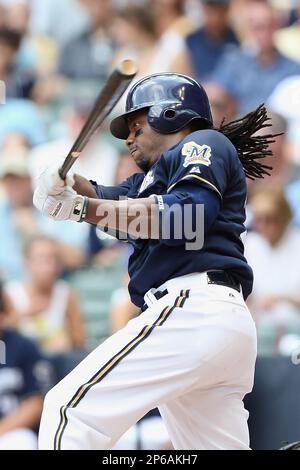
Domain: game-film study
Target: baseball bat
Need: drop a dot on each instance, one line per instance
(114, 88)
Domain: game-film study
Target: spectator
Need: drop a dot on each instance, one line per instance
(283, 170)
(252, 73)
(152, 38)
(18, 84)
(285, 100)
(45, 307)
(270, 250)
(134, 34)
(16, 141)
(122, 309)
(287, 39)
(170, 15)
(100, 157)
(37, 55)
(48, 18)
(22, 117)
(2, 15)
(223, 104)
(207, 44)
(293, 196)
(21, 387)
(20, 220)
(171, 26)
(37, 52)
(16, 15)
(88, 56)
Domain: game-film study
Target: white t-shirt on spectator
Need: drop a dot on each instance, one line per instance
(276, 272)
(285, 100)
(98, 164)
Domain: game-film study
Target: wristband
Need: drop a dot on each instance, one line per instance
(79, 210)
(84, 209)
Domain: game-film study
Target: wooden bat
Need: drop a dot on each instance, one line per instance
(114, 88)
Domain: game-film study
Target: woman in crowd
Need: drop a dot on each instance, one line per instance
(46, 308)
(271, 249)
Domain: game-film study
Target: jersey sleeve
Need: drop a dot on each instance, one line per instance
(186, 212)
(205, 158)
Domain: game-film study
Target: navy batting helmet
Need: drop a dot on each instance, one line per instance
(172, 100)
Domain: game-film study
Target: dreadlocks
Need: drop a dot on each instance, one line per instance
(251, 148)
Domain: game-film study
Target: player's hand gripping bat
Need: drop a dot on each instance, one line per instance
(114, 88)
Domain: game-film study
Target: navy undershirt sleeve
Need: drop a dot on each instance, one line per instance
(112, 193)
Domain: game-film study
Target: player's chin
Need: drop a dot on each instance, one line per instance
(143, 164)
(137, 156)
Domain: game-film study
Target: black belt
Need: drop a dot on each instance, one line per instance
(222, 278)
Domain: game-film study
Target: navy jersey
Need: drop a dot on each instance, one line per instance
(207, 163)
(23, 374)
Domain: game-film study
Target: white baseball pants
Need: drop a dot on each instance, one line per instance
(191, 354)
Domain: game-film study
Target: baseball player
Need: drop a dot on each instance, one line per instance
(191, 351)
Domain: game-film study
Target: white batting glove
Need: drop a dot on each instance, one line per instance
(68, 205)
(51, 183)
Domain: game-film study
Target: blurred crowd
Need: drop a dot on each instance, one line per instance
(64, 285)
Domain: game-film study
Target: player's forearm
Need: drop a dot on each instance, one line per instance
(135, 217)
(84, 187)
(26, 416)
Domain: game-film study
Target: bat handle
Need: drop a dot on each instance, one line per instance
(68, 163)
(62, 174)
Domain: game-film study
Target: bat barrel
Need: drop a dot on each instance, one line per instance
(128, 68)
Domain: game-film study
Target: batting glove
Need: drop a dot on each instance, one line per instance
(68, 205)
(51, 183)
